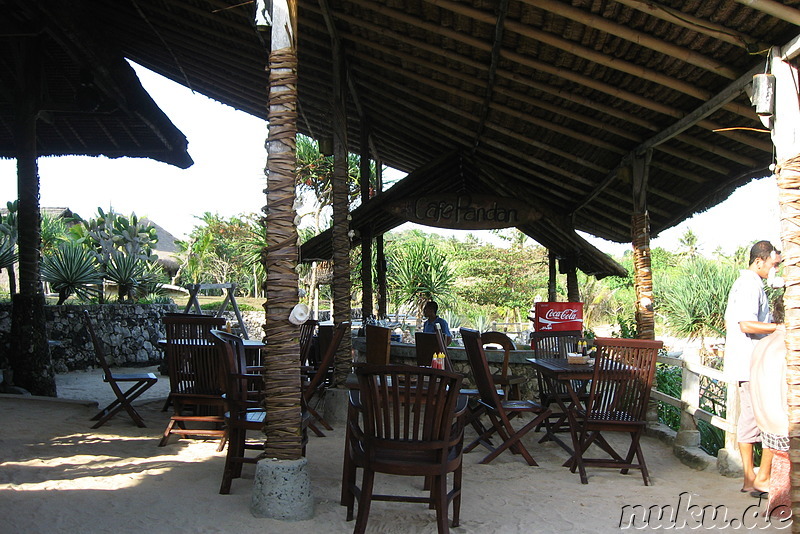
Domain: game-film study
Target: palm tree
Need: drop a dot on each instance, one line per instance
(417, 273)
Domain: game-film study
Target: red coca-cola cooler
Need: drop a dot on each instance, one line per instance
(558, 316)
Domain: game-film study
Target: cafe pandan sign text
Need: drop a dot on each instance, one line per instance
(464, 211)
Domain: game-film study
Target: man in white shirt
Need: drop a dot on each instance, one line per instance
(748, 319)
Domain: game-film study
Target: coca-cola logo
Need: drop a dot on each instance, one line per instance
(568, 314)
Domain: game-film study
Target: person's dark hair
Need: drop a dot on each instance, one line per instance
(778, 310)
(762, 250)
(433, 305)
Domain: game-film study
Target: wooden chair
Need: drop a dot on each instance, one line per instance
(405, 420)
(555, 344)
(315, 387)
(243, 411)
(379, 340)
(196, 375)
(500, 412)
(309, 357)
(509, 383)
(426, 345)
(618, 398)
(141, 382)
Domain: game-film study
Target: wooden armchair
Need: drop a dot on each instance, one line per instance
(500, 412)
(243, 411)
(140, 382)
(196, 376)
(618, 397)
(404, 420)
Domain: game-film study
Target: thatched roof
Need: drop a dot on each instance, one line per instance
(90, 100)
(549, 97)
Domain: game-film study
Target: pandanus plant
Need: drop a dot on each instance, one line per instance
(71, 269)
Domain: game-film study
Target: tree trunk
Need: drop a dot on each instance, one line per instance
(281, 356)
(30, 353)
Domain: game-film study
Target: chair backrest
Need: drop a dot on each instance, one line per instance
(306, 338)
(623, 375)
(408, 411)
(554, 343)
(426, 345)
(232, 354)
(326, 361)
(193, 362)
(99, 353)
(505, 342)
(379, 341)
(473, 346)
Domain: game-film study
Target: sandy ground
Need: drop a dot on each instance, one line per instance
(58, 475)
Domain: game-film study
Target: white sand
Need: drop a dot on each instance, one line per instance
(48, 445)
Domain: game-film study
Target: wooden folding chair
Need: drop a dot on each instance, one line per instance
(618, 398)
(316, 386)
(500, 412)
(509, 383)
(141, 383)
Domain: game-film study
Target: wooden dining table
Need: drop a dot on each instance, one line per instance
(556, 372)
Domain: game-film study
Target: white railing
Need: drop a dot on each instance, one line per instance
(689, 403)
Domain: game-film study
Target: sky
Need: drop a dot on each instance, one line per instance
(227, 178)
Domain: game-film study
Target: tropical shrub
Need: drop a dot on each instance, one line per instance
(71, 269)
(693, 303)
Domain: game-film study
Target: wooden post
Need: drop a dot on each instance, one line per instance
(366, 231)
(640, 233)
(380, 256)
(573, 291)
(551, 276)
(341, 225)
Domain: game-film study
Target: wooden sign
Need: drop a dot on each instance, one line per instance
(465, 212)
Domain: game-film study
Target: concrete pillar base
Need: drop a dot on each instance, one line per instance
(729, 463)
(282, 490)
(335, 409)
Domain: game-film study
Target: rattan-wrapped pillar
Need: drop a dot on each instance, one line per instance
(281, 488)
(785, 126)
(640, 236)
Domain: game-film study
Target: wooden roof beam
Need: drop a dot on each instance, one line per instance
(618, 30)
(703, 26)
(327, 15)
(497, 44)
(775, 9)
(730, 92)
(555, 71)
(464, 114)
(569, 132)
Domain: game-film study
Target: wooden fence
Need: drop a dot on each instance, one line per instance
(692, 372)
